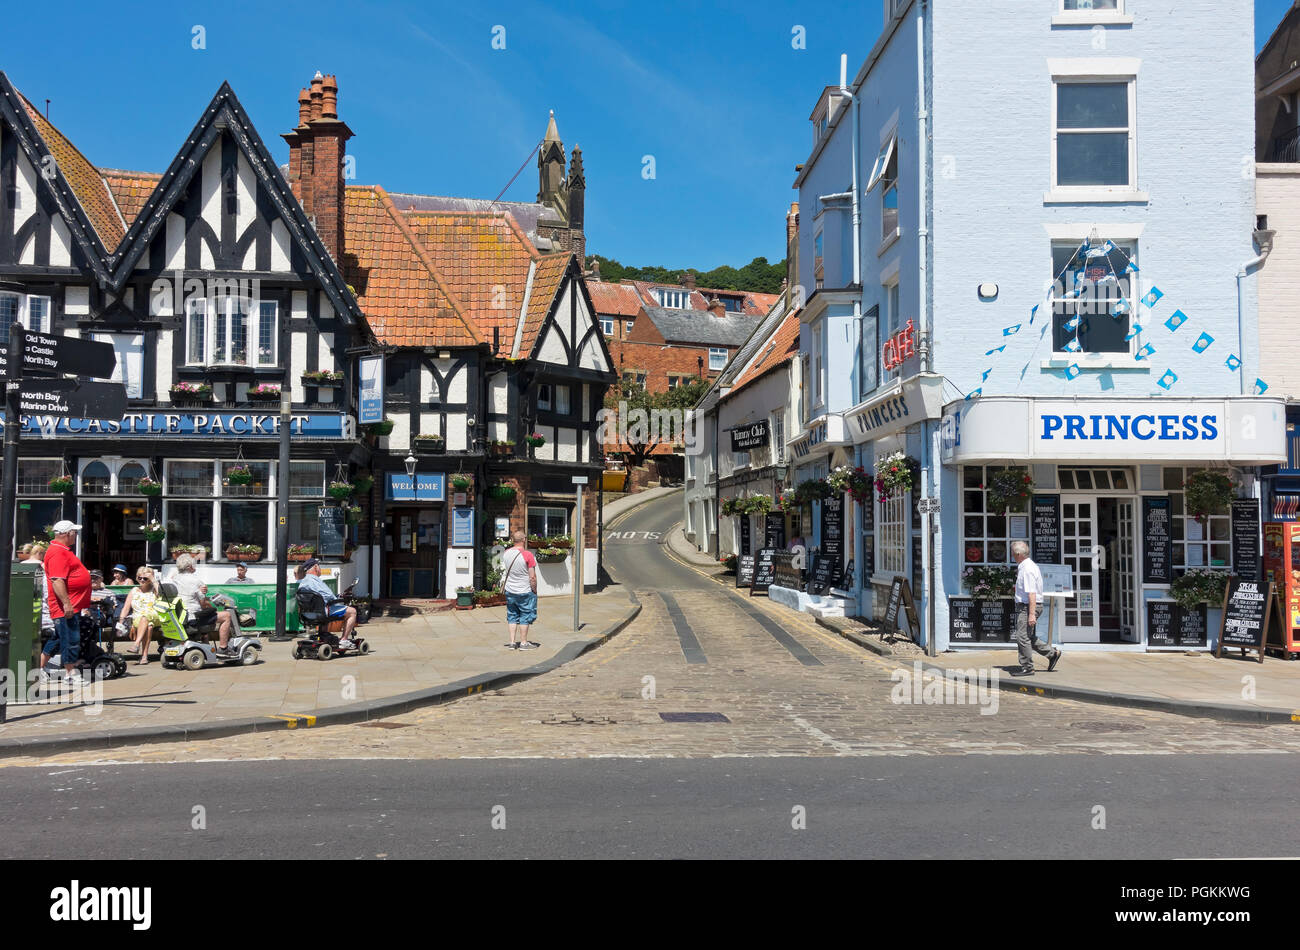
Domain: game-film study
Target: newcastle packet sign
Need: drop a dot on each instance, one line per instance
(240, 425)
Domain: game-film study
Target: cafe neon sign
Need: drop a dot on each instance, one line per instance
(899, 347)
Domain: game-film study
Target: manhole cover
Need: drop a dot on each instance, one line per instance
(1092, 726)
(385, 725)
(573, 719)
(693, 717)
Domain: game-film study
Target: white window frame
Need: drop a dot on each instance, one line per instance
(627, 326)
(607, 326)
(1094, 72)
(892, 534)
(275, 334)
(717, 358)
(882, 159)
(1127, 235)
(1067, 17)
(23, 311)
(191, 308)
(568, 517)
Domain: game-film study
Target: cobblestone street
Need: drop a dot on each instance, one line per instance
(806, 693)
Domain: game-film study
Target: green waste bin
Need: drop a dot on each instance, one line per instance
(22, 625)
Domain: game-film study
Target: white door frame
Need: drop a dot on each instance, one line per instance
(1086, 599)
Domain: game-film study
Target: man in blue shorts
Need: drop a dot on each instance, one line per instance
(519, 581)
(334, 607)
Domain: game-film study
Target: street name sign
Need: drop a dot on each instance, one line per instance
(71, 399)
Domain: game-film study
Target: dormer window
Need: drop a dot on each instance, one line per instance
(672, 299)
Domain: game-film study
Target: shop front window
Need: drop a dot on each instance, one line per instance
(1197, 544)
(259, 486)
(96, 479)
(189, 478)
(128, 478)
(987, 534)
(245, 522)
(188, 522)
(891, 535)
(34, 516)
(307, 479)
(34, 475)
(548, 521)
(304, 522)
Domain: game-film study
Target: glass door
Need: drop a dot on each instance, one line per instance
(1079, 540)
(1126, 561)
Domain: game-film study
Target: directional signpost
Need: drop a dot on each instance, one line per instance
(37, 383)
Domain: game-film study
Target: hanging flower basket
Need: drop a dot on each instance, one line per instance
(301, 552)
(340, 490)
(757, 505)
(353, 514)
(814, 489)
(1207, 492)
(362, 483)
(1010, 489)
(1199, 587)
(787, 501)
(854, 481)
(147, 486)
(535, 440)
(462, 482)
(731, 506)
(243, 552)
(153, 531)
(264, 392)
(61, 484)
(502, 494)
(380, 428)
(240, 475)
(895, 475)
(551, 555)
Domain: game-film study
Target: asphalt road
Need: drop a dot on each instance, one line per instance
(1015, 807)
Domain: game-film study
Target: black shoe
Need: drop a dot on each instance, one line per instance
(1056, 658)
(1023, 671)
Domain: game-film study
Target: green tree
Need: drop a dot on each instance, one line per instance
(758, 276)
(642, 431)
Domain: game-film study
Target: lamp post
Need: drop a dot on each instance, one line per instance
(282, 516)
(409, 461)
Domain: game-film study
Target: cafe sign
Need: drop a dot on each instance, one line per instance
(753, 436)
(899, 348)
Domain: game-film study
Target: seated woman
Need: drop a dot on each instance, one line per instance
(194, 594)
(140, 607)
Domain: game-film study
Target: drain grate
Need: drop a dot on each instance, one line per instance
(385, 725)
(693, 717)
(1094, 726)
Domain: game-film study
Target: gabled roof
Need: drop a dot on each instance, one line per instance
(615, 299)
(527, 214)
(483, 259)
(130, 189)
(754, 304)
(778, 350)
(225, 116)
(84, 179)
(547, 280)
(701, 326)
(396, 282)
(69, 164)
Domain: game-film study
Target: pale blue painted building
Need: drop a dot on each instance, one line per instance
(1095, 164)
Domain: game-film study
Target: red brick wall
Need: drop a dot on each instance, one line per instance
(518, 511)
(658, 361)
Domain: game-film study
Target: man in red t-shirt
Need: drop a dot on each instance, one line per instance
(69, 592)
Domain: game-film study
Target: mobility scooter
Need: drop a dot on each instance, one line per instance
(185, 643)
(322, 640)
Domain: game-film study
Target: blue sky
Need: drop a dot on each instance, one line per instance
(717, 94)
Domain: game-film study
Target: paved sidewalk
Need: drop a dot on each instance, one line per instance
(417, 660)
(1194, 684)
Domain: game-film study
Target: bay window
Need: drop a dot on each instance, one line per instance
(32, 311)
(223, 332)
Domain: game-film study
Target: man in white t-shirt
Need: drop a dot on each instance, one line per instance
(519, 581)
(1029, 605)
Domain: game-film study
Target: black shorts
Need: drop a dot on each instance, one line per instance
(205, 616)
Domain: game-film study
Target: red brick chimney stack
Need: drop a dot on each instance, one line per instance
(717, 307)
(316, 152)
(688, 280)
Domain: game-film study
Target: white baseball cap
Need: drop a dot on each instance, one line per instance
(63, 527)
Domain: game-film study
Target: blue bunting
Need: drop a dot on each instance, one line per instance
(1072, 371)
(1146, 351)
(1137, 328)
(1152, 297)
(1177, 320)
(1167, 380)
(1261, 387)
(1202, 343)
(1011, 331)
(1232, 362)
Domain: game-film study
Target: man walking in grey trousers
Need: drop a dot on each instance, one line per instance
(1029, 605)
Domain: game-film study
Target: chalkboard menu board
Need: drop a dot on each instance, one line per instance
(745, 570)
(833, 528)
(1247, 616)
(1245, 538)
(1045, 528)
(763, 571)
(824, 573)
(900, 595)
(784, 573)
(963, 621)
(1162, 623)
(329, 532)
(774, 531)
(1192, 627)
(995, 620)
(1157, 542)
(745, 535)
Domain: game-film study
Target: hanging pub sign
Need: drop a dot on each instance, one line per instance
(899, 348)
(1045, 528)
(753, 436)
(370, 394)
(1157, 542)
(1245, 538)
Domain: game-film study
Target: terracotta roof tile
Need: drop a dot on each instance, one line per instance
(546, 284)
(484, 259)
(617, 299)
(130, 190)
(84, 179)
(397, 286)
(779, 350)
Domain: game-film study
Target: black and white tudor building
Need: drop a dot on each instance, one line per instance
(224, 280)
